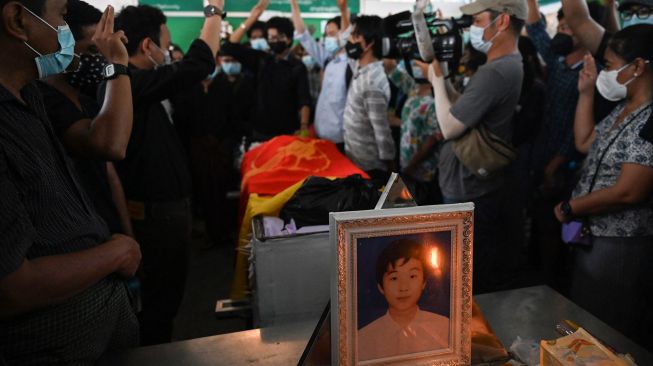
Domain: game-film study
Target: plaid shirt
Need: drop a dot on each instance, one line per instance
(368, 140)
(557, 134)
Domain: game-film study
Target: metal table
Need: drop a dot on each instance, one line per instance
(529, 312)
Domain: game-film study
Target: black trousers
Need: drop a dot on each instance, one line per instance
(495, 241)
(211, 160)
(612, 280)
(164, 237)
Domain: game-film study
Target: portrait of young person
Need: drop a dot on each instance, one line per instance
(404, 292)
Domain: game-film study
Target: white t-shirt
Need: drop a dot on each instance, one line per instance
(385, 338)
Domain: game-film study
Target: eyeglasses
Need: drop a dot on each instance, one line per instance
(641, 13)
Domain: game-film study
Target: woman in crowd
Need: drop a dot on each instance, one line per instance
(612, 276)
(420, 132)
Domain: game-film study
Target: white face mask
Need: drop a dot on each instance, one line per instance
(476, 37)
(609, 87)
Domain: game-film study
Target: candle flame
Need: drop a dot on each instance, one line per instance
(434, 258)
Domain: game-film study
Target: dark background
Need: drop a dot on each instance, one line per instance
(437, 293)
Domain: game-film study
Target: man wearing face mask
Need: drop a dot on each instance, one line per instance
(367, 136)
(595, 38)
(564, 59)
(215, 115)
(332, 58)
(489, 99)
(253, 28)
(92, 138)
(283, 99)
(155, 171)
(63, 299)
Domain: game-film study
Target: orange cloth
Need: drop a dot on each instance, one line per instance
(285, 160)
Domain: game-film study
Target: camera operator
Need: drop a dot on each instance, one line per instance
(490, 99)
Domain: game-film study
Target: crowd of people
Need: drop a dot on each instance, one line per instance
(111, 137)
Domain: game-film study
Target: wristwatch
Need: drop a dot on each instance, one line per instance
(565, 209)
(211, 10)
(112, 71)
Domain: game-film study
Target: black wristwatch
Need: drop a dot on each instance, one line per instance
(112, 71)
(211, 10)
(565, 209)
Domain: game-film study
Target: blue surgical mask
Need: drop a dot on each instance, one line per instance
(402, 65)
(476, 37)
(167, 58)
(55, 63)
(231, 68)
(308, 61)
(331, 45)
(215, 73)
(417, 71)
(635, 20)
(260, 44)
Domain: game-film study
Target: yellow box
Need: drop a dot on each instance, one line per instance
(579, 348)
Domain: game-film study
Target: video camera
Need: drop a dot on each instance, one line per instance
(446, 36)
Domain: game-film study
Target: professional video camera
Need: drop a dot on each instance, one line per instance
(446, 37)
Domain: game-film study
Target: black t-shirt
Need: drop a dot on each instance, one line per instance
(92, 173)
(282, 89)
(155, 168)
(225, 110)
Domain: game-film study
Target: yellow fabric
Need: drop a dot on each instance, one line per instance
(256, 205)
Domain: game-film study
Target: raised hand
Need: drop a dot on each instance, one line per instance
(218, 3)
(110, 44)
(420, 6)
(342, 4)
(423, 66)
(389, 65)
(262, 5)
(587, 77)
(439, 14)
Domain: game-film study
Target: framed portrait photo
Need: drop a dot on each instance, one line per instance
(401, 287)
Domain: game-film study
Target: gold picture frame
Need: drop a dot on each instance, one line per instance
(362, 238)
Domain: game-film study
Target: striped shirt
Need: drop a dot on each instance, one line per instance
(368, 140)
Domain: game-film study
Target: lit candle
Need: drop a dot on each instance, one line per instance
(434, 258)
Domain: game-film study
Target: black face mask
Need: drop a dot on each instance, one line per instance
(562, 44)
(89, 73)
(278, 47)
(354, 50)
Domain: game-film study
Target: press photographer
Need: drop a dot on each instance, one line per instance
(477, 125)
